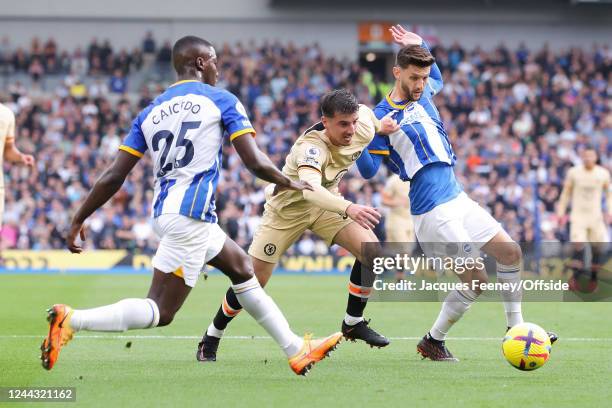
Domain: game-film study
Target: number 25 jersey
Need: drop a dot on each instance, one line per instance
(183, 130)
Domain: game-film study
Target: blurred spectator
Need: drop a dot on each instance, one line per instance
(517, 120)
(149, 48)
(164, 60)
(118, 82)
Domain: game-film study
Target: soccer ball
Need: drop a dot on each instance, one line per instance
(526, 346)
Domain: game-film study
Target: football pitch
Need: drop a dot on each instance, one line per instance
(159, 367)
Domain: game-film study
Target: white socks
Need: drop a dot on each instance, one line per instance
(352, 320)
(121, 316)
(143, 313)
(454, 306)
(458, 302)
(213, 331)
(512, 299)
(263, 309)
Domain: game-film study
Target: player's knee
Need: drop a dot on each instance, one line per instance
(471, 294)
(263, 279)
(476, 286)
(368, 252)
(511, 255)
(244, 268)
(165, 317)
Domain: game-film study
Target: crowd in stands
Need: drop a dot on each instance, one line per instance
(517, 119)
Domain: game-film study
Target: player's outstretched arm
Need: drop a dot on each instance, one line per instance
(106, 186)
(262, 167)
(368, 164)
(383, 126)
(321, 197)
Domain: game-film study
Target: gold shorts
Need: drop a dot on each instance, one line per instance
(395, 234)
(276, 233)
(589, 231)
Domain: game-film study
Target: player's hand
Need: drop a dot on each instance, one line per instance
(404, 37)
(363, 215)
(27, 159)
(293, 185)
(388, 125)
(75, 229)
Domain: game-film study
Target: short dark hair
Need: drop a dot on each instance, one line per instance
(414, 55)
(182, 48)
(338, 101)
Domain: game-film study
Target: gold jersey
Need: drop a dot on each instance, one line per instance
(398, 189)
(313, 151)
(398, 223)
(587, 190)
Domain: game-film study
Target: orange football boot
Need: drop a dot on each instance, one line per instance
(312, 352)
(60, 333)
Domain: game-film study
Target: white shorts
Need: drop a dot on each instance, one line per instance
(186, 243)
(460, 221)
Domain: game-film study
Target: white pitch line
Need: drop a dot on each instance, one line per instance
(158, 337)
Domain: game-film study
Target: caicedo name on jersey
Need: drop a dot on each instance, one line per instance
(168, 110)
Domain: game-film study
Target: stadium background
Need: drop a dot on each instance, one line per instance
(73, 124)
(526, 88)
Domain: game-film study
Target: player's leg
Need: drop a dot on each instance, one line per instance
(441, 225)
(599, 241)
(579, 234)
(406, 238)
(455, 305)
(174, 291)
(183, 242)
(265, 250)
(354, 327)
(302, 353)
(508, 254)
(597, 261)
(230, 306)
(166, 296)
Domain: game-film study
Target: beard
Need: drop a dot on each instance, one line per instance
(410, 95)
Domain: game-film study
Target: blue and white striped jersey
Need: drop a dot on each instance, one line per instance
(420, 150)
(421, 139)
(183, 130)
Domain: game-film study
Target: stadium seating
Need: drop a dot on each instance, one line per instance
(517, 118)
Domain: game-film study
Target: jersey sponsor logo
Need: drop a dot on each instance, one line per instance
(241, 110)
(417, 114)
(270, 249)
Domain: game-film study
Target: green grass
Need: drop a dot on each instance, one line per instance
(254, 372)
